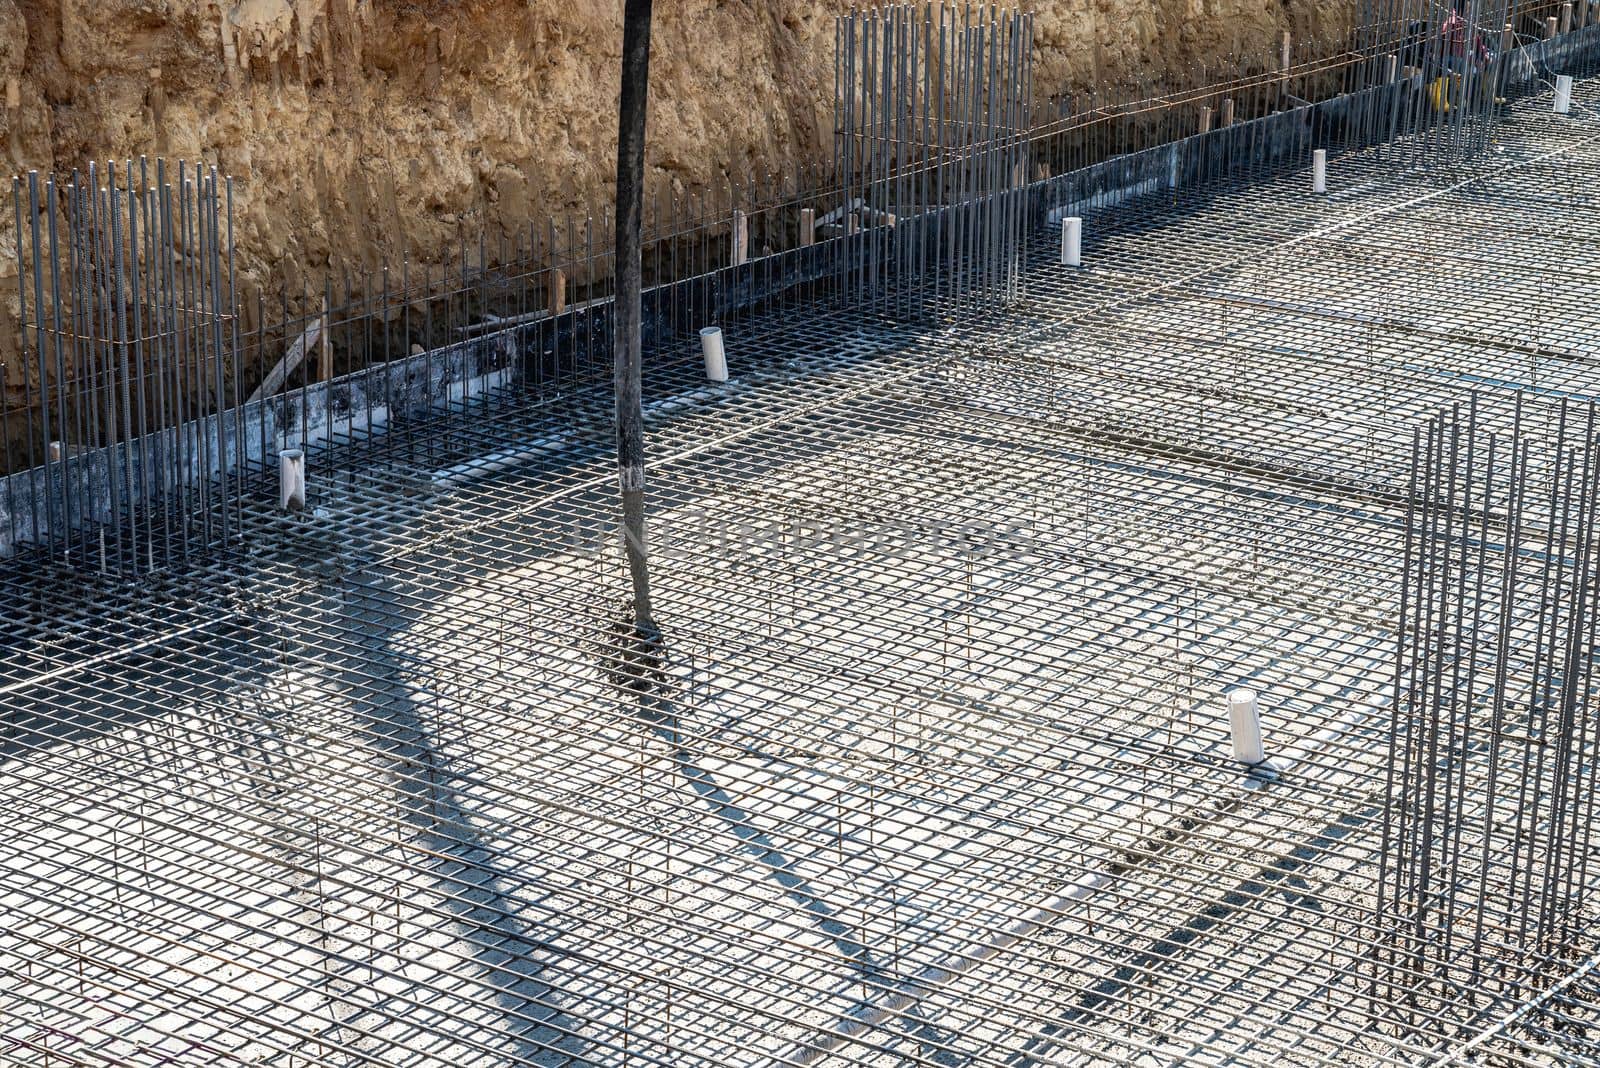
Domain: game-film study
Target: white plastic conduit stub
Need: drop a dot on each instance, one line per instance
(1072, 241)
(292, 480)
(1563, 93)
(716, 358)
(1319, 171)
(1244, 721)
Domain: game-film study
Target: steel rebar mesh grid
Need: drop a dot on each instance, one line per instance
(951, 705)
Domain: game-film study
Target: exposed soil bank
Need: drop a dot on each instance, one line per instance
(359, 128)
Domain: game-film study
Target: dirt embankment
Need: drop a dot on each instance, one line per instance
(360, 128)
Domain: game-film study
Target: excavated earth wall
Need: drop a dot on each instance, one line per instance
(358, 129)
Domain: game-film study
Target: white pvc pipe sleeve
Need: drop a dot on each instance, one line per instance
(292, 480)
(1072, 241)
(716, 358)
(1244, 721)
(1563, 93)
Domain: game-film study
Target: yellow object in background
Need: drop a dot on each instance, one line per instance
(1439, 92)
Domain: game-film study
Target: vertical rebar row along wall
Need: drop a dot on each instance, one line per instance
(1460, 58)
(128, 305)
(932, 143)
(1490, 795)
(920, 217)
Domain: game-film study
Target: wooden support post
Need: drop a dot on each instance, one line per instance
(1550, 28)
(327, 346)
(1205, 119)
(740, 254)
(557, 299)
(285, 367)
(808, 227)
(1225, 119)
(1566, 17)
